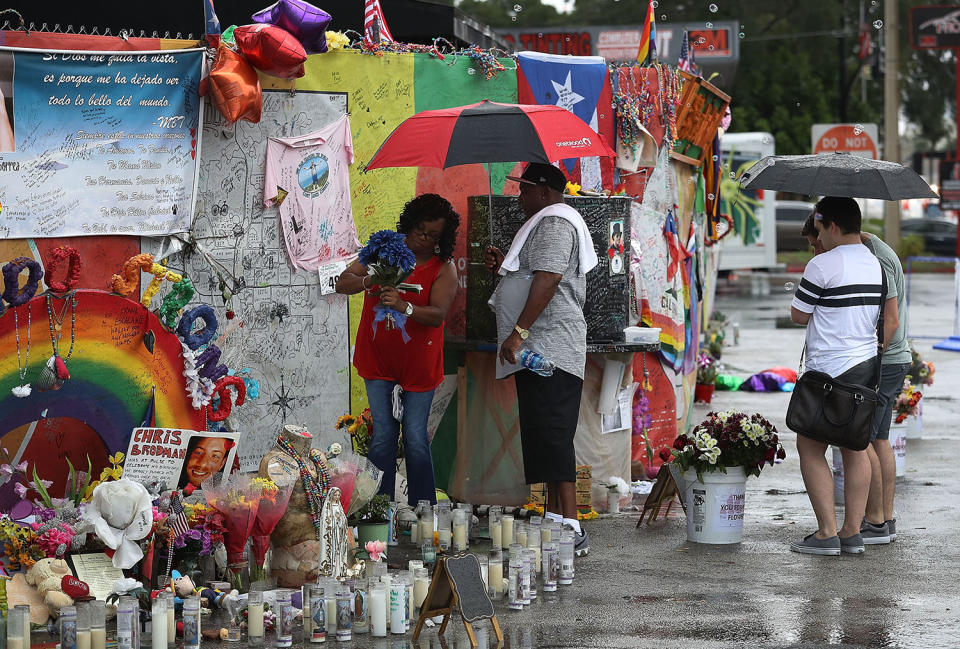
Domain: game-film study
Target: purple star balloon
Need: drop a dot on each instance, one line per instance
(306, 22)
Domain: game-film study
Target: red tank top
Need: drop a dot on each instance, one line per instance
(416, 365)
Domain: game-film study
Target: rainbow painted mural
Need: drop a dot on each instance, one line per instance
(112, 379)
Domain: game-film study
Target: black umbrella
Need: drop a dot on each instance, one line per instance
(836, 174)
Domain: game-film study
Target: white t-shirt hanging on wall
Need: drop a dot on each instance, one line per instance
(315, 215)
(841, 288)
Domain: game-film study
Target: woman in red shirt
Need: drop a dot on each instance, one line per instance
(407, 371)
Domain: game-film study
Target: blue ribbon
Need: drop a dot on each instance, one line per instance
(399, 319)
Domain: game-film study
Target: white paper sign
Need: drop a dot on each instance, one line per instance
(730, 501)
(621, 418)
(97, 570)
(441, 400)
(175, 458)
(329, 273)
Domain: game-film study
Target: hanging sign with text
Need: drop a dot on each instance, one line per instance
(856, 139)
(98, 143)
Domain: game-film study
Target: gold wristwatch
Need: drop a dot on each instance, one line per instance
(524, 333)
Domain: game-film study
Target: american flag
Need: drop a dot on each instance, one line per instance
(687, 61)
(374, 24)
(178, 523)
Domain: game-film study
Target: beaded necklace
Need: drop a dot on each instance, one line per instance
(23, 389)
(314, 488)
(69, 303)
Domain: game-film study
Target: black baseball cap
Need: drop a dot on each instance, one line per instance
(538, 173)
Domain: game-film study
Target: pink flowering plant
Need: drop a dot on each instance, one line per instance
(724, 440)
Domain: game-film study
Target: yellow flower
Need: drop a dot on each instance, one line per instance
(116, 458)
(352, 428)
(337, 40)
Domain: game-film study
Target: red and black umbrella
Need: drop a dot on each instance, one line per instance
(489, 132)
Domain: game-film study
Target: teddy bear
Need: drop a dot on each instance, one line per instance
(46, 576)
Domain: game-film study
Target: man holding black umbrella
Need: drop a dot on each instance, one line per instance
(539, 306)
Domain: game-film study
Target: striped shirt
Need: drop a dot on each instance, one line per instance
(841, 289)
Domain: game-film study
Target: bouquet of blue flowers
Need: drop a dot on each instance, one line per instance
(389, 262)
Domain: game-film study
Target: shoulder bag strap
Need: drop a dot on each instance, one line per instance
(883, 300)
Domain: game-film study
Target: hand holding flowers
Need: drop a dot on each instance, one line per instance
(389, 262)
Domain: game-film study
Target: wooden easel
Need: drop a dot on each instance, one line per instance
(444, 595)
(663, 490)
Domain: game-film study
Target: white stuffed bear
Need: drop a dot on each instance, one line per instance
(46, 576)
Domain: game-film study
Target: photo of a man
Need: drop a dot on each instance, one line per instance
(206, 457)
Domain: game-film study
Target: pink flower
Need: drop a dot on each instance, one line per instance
(376, 549)
(21, 490)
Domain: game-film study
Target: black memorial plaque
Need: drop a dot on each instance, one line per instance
(607, 307)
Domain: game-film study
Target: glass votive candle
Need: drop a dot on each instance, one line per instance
(428, 552)
(494, 526)
(98, 624)
(520, 533)
(506, 530)
(255, 617)
(495, 573)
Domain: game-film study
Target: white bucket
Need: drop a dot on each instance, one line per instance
(715, 506)
(915, 425)
(837, 476)
(898, 441)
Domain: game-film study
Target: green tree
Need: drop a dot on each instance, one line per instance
(503, 13)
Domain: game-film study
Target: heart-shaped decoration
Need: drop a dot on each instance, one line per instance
(193, 154)
(73, 587)
(193, 132)
(193, 144)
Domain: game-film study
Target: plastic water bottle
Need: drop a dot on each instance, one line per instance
(533, 359)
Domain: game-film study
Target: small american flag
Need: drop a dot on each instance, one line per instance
(178, 523)
(374, 24)
(687, 61)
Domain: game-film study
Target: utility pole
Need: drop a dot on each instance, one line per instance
(891, 111)
(842, 56)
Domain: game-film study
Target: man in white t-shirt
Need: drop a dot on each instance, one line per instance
(838, 300)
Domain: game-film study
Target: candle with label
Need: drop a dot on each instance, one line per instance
(191, 623)
(398, 607)
(361, 622)
(344, 614)
(24, 610)
(68, 627)
(315, 625)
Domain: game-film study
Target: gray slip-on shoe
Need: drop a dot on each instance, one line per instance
(812, 545)
(874, 534)
(852, 544)
(892, 528)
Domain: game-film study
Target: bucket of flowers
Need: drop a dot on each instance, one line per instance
(706, 377)
(715, 459)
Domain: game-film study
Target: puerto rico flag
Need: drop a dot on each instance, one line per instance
(580, 84)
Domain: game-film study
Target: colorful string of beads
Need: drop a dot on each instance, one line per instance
(314, 488)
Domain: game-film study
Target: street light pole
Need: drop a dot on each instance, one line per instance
(891, 110)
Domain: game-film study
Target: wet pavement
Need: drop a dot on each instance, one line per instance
(649, 587)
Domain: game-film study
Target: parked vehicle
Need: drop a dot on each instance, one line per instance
(939, 235)
(790, 218)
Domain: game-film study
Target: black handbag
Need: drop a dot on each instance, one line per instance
(836, 412)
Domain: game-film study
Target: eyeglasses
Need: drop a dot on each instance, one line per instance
(427, 236)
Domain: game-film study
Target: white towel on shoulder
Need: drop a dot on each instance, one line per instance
(588, 256)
